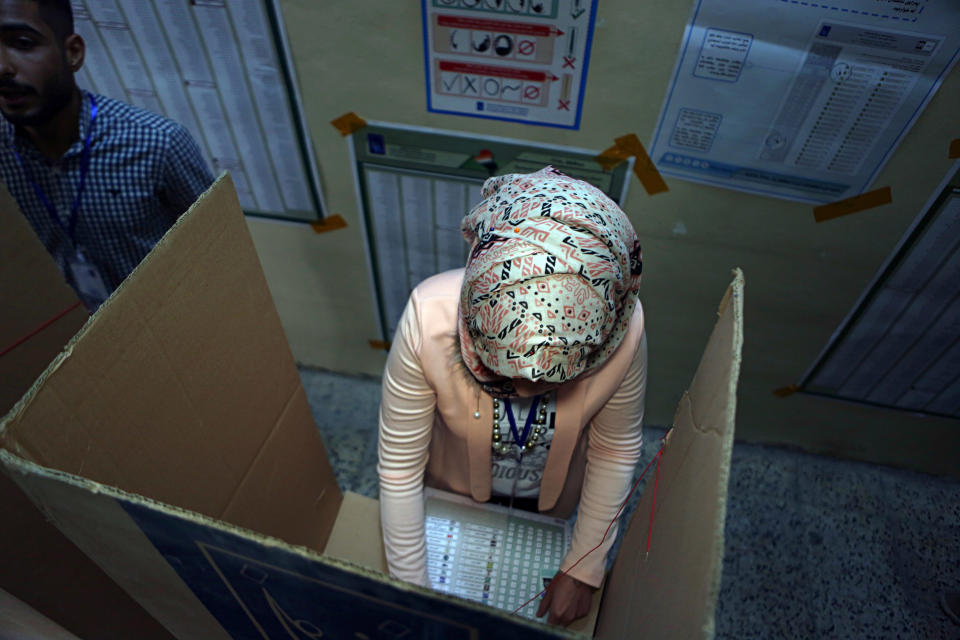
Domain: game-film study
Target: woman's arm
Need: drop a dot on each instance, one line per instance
(407, 406)
(613, 451)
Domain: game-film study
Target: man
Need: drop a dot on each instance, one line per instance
(99, 180)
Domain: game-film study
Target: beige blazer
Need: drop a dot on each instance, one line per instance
(429, 433)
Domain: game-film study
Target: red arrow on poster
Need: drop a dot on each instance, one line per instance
(499, 26)
(499, 72)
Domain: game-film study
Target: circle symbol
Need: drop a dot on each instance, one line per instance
(532, 92)
(503, 45)
(775, 140)
(525, 47)
(840, 72)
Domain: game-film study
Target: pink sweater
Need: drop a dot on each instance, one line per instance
(428, 433)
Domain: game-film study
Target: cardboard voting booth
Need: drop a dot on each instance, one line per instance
(39, 566)
(171, 441)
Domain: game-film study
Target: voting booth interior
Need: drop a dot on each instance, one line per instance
(170, 441)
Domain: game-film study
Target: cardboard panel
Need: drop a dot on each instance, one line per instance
(178, 383)
(208, 580)
(292, 468)
(19, 620)
(32, 293)
(40, 567)
(44, 569)
(356, 536)
(98, 525)
(672, 592)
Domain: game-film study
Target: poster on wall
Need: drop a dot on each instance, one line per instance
(221, 69)
(801, 100)
(415, 185)
(518, 60)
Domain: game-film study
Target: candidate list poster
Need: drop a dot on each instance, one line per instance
(801, 100)
(519, 60)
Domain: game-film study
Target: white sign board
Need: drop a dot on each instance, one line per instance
(519, 60)
(801, 100)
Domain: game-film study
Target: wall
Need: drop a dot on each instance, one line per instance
(801, 277)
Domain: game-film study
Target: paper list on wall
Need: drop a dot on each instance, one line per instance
(803, 100)
(416, 230)
(263, 70)
(214, 23)
(213, 67)
(383, 191)
(902, 349)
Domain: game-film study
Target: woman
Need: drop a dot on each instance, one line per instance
(533, 356)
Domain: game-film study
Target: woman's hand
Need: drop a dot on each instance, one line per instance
(567, 599)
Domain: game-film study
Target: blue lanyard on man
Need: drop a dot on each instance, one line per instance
(85, 276)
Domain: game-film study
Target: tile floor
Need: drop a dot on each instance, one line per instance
(815, 547)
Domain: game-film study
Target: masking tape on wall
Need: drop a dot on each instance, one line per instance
(955, 148)
(630, 146)
(380, 344)
(864, 201)
(612, 157)
(348, 123)
(783, 392)
(329, 223)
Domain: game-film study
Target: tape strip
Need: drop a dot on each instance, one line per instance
(348, 123)
(954, 148)
(864, 201)
(329, 223)
(647, 173)
(380, 344)
(783, 392)
(630, 146)
(612, 157)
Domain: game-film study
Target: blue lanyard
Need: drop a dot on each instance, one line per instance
(526, 427)
(71, 228)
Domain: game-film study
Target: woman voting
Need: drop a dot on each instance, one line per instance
(521, 378)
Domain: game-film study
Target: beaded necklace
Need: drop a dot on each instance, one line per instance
(527, 440)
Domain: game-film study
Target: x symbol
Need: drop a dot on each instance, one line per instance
(564, 105)
(468, 85)
(568, 62)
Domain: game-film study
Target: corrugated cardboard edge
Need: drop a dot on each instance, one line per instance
(24, 402)
(733, 295)
(22, 470)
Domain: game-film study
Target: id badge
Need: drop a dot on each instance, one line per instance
(89, 281)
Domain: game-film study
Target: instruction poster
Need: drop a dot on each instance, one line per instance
(519, 60)
(797, 99)
(216, 68)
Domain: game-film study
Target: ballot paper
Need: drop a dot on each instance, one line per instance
(495, 555)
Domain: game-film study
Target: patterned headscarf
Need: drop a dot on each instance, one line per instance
(551, 282)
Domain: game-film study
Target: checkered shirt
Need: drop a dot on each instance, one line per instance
(145, 170)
